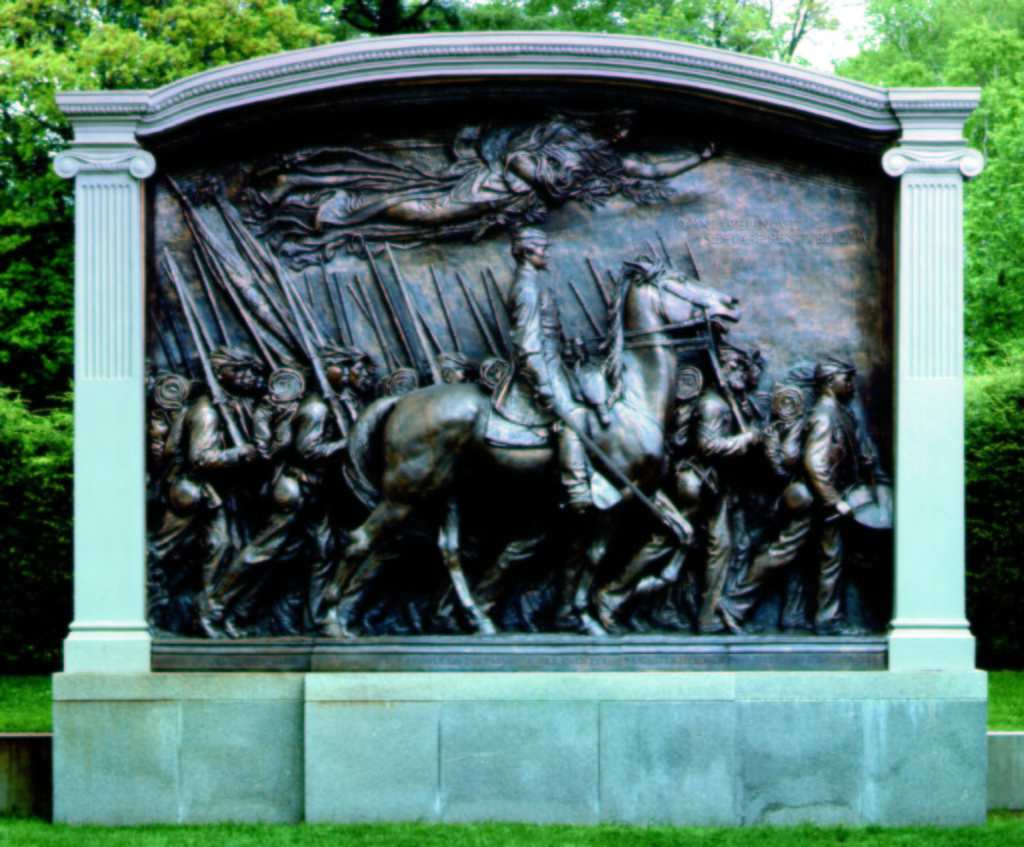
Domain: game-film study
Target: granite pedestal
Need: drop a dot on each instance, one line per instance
(731, 749)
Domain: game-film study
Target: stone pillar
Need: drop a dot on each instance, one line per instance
(929, 629)
(109, 632)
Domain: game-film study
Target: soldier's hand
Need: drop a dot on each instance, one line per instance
(247, 453)
(843, 509)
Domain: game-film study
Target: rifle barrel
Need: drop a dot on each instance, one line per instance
(367, 306)
(444, 308)
(597, 281)
(209, 296)
(478, 315)
(391, 307)
(586, 311)
(417, 319)
(219, 397)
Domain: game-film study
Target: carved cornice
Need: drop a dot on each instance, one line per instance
(497, 56)
(138, 162)
(903, 160)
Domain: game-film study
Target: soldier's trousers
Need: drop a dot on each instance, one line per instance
(783, 553)
(237, 593)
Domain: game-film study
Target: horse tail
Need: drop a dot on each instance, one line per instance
(359, 465)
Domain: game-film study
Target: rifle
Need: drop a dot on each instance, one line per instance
(391, 309)
(444, 308)
(311, 352)
(664, 250)
(418, 325)
(716, 363)
(209, 296)
(345, 336)
(597, 281)
(165, 307)
(367, 306)
(498, 308)
(478, 315)
(586, 311)
(220, 399)
(160, 337)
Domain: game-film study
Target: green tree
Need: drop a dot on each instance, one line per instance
(35, 535)
(46, 46)
(926, 42)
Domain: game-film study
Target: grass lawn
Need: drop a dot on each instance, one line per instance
(25, 703)
(1006, 701)
(1001, 829)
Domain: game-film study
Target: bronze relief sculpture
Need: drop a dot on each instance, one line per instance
(478, 383)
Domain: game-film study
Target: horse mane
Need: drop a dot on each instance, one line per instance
(644, 268)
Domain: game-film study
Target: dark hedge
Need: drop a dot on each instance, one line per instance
(994, 452)
(35, 535)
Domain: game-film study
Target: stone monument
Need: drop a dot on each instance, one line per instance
(543, 427)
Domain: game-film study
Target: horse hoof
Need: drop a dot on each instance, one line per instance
(485, 626)
(589, 626)
(333, 629)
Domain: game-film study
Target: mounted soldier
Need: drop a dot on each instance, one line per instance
(538, 366)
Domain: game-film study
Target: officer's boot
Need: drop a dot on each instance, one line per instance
(575, 465)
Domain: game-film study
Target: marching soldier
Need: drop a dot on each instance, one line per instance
(724, 447)
(310, 447)
(835, 455)
(203, 484)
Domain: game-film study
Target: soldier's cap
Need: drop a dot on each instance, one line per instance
(234, 357)
(749, 358)
(523, 237)
(342, 357)
(830, 367)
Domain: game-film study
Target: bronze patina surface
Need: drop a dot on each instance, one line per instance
(534, 365)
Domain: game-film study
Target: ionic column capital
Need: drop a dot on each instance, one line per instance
(908, 159)
(136, 161)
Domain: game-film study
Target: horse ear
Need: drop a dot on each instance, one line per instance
(644, 268)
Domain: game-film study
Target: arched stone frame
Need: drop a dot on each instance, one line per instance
(109, 162)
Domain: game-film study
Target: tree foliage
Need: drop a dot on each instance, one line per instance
(995, 511)
(35, 535)
(970, 43)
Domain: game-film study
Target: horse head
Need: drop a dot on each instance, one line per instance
(676, 298)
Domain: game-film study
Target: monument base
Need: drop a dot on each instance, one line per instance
(718, 748)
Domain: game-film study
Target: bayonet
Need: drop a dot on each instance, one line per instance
(345, 336)
(597, 281)
(165, 307)
(417, 318)
(160, 337)
(444, 308)
(664, 250)
(478, 315)
(209, 296)
(220, 399)
(371, 315)
(693, 259)
(399, 328)
(586, 311)
(499, 309)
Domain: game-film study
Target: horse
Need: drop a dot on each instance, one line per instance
(433, 447)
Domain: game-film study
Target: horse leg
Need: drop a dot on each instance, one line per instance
(577, 587)
(490, 587)
(635, 581)
(359, 565)
(448, 541)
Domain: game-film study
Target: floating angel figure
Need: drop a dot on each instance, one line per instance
(310, 204)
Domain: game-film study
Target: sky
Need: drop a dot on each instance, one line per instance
(822, 49)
